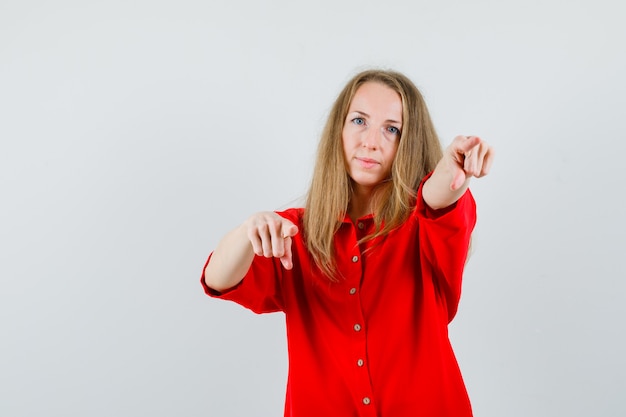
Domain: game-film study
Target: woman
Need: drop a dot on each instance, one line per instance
(369, 273)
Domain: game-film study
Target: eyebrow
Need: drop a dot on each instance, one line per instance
(367, 115)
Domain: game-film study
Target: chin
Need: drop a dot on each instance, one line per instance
(367, 182)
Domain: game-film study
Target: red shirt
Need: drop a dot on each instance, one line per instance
(376, 342)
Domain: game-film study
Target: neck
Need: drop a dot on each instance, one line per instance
(360, 203)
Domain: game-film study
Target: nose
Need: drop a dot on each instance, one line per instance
(371, 138)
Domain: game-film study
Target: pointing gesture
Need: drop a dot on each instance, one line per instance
(263, 234)
(466, 157)
(270, 236)
(473, 158)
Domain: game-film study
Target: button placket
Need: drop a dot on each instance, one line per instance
(355, 324)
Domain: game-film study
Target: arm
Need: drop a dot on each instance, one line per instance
(444, 241)
(264, 234)
(466, 157)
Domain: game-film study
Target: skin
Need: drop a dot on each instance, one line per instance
(371, 133)
(370, 141)
(464, 158)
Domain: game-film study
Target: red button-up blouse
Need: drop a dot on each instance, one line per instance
(376, 342)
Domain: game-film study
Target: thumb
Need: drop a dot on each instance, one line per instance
(458, 179)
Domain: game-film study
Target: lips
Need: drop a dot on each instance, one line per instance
(367, 162)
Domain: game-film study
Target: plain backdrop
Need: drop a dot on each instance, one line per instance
(134, 134)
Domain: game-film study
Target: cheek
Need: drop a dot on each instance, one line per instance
(391, 156)
(345, 147)
(395, 150)
(392, 150)
(347, 141)
(352, 138)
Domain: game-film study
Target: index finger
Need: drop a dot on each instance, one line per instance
(287, 259)
(463, 144)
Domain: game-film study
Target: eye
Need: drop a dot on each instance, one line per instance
(358, 121)
(393, 130)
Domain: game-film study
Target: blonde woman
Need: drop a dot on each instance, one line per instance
(369, 273)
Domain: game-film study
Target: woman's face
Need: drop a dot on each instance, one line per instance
(371, 133)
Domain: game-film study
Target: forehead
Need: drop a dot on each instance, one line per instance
(377, 99)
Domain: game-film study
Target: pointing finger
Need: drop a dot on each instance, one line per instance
(286, 259)
(463, 144)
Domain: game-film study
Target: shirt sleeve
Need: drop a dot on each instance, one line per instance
(444, 240)
(259, 290)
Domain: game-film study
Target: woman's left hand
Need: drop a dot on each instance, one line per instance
(468, 156)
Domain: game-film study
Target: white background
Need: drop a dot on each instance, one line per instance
(134, 134)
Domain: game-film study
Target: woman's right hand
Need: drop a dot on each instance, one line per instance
(270, 236)
(264, 234)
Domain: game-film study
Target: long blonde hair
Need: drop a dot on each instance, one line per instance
(329, 195)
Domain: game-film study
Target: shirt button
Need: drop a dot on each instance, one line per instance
(360, 225)
(366, 400)
(355, 258)
(359, 362)
(357, 327)
(352, 291)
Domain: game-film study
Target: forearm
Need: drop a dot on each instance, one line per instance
(437, 190)
(230, 261)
